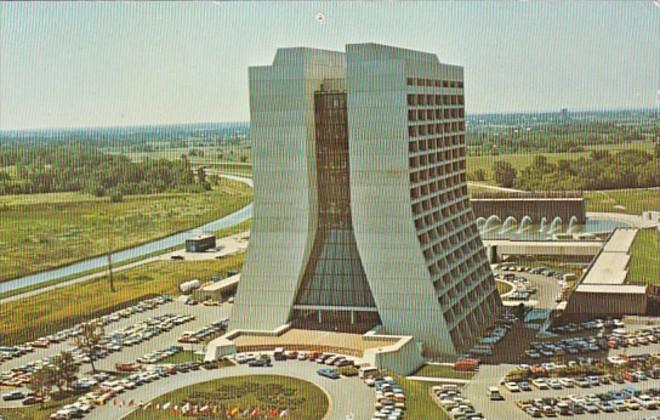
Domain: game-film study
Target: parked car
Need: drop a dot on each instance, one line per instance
(328, 373)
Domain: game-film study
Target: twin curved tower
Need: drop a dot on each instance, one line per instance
(361, 212)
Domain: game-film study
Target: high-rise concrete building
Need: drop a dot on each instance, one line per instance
(361, 212)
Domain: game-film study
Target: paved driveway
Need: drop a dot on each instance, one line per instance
(347, 395)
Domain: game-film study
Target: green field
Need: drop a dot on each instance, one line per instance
(43, 231)
(419, 403)
(623, 201)
(521, 160)
(46, 313)
(645, 261)
(441, 371)
(303, 399)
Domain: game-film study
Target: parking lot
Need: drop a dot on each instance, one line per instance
(203, 316)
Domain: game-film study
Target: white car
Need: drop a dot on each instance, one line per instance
(540, 383)
(645, 401)
(512, 387)
(566, 382)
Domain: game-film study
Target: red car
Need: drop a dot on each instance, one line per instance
(127, 367)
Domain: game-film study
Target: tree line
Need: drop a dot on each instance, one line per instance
(47, 167)
(600, 171)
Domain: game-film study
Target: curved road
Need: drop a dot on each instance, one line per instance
(347, 395)
(232, 219)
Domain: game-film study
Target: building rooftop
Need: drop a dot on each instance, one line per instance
(620, 241)
(614, 289)
(223, 284)
(611, 264)
(199, 237)
(609, 268)
(312, 338)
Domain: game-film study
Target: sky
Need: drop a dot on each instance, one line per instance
(121, 63)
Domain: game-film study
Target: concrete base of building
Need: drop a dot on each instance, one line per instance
(400, 354)
(618, 301)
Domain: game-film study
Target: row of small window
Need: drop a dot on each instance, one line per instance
(458, 274)
(437, 157)
(471, 281)
(445, 212)
(438, 200)
(423, 145)
(426, 100)
(470, 287)
(471, 268)
(440, 170)
(469, 301)
(456, 236)
(462, 335)
(435, 114)
(432, 129)
(431, 239)
(436, 185)
(430, 220)
(416, 81)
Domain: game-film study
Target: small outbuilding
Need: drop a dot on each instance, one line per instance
(200, 243)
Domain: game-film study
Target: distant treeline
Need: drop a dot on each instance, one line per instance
(493, 135)
(601, 170)
(57, 166)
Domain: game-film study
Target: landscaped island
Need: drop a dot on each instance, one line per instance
(260, 396)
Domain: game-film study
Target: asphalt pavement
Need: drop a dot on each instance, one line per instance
(348, 396)
(204, 316)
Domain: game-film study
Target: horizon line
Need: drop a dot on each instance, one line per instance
(172, 124)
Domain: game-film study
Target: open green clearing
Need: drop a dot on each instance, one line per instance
(645, 261)
(239, 228)
(43, 231)
(419, 403)
(46, 313)
(303, 399)
(441, 371)
(623, 201)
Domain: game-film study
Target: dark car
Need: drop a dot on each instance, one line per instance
(259, 363)
(32, 400)
(13, 396)
(177, 257)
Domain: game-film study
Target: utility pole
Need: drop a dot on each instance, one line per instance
(110, 279)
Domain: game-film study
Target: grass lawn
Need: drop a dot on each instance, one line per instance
(239, 228)
(303, 399)
(645, 261)
(419, 404)
(627, 201)
(183, 357)
(33, 317)
(521, 160)
(43, 231)
(35, 412)
(232, 168)
(502, 288)
(440, 371)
